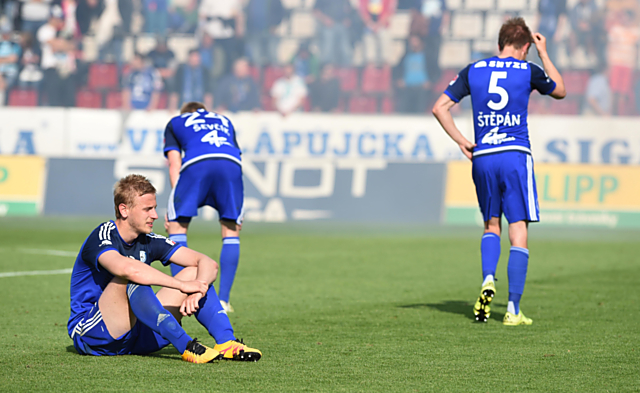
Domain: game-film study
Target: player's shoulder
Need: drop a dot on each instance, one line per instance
(104, 235)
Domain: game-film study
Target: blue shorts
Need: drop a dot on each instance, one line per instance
(505, 183)
(91, 337)
(213, 182)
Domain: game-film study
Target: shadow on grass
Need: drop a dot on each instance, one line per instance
(457, 307)
(166, 352)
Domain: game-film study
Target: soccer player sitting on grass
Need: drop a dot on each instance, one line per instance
(114, 310)
(502, 164)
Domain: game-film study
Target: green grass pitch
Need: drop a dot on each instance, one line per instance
(350, 310)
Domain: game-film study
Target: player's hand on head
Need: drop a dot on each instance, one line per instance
(541, 42)
(191, 304)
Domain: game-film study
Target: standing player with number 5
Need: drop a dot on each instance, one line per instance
(210, 173)
(502, 164)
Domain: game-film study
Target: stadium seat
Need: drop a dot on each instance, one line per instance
(455, 54)
(271, 74)
(454, 4)
(181, 45)
(287, 49)
(348, 79)
(376, 80)
(103, 76)
(145, 43)
(163, 101)
(445, 78)
(576, 82)
(399, 25)
(113, 100)
(466, 25)
(387, 105)
(480, 5)
(23, 98)
(493, 23)
(88, 99)
(255, 72)
(267, 102)
(512, 5)
(303, 25)
(568, 106)
(362, 105)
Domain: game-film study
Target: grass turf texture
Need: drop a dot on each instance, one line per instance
(351, 311)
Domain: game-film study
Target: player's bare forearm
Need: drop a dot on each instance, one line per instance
(541, 45)
(136, 271)
(442, 112)
(207, 267)
(175, 164)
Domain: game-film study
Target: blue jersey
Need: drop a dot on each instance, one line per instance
(201, 135)
(500, 90)
(89, 278)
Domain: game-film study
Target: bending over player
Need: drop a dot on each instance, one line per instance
(210, 173)
(502, 164)
(114, 310)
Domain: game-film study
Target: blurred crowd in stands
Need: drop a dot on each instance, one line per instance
(353, 56)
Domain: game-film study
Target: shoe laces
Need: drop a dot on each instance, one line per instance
(195, 347)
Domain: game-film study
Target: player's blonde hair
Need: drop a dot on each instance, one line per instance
(128, 188)
(192, 107)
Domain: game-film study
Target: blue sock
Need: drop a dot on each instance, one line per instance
(517, 272)
(490, 250)
(229, 256)
(181, 239)
(213, 318)
(148, 309)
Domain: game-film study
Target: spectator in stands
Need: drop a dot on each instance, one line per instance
(110, 33)
(333, 21)
(141, 85)
(70, 29)
(306, 64)
(9, 60)
(598, 99)
(263, 17)
(183, 16)
(86, 12)
(325, 93)
(428, 20)
(224, 22)
(552, 16)
(289, 92)
(34, 14)
(191, 83)
(586, 26)
(155, 16)
(163, 60)
(58, 61)
(376, 15)
(31, 75)
(622, 56)
(126, 9)
(213, 57)
(237, 92)
(413, 79)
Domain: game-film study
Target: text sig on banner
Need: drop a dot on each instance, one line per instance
(22, 181)
(568, 194)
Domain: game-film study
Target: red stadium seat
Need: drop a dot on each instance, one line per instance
(348, 79)
(446, 78)
(103, 76)
(267, 102)
(271, 74)
(113, 100)
(376, 80)
(576, 82)
(163, 101)
(387, 105)
(568, 106)
(362, 105)
(23, 98)
(88, 99)
(255, 74)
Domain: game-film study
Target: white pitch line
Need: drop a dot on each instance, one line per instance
(57, 253)
(35, 273)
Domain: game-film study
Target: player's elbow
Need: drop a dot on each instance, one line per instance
(559, 93)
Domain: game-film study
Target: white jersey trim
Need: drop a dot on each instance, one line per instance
(502, 148)
(211, 155)
(533, 214)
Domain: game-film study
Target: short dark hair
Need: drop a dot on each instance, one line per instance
(192, 107)
(514, 32)
(128, 188)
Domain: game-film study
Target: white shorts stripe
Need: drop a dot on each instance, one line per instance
(533, 214)
(502, 148)
(212, 155)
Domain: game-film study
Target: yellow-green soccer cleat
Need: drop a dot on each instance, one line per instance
(236, 350)
(511, 319)
(226, 306)
(481, 309)
(198, 353)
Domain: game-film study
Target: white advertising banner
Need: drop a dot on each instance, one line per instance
(26, 131)
(263, 136)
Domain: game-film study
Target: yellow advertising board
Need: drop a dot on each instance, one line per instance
(22, 185)
(574, 194)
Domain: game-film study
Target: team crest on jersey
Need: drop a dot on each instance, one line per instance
(143, 256)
